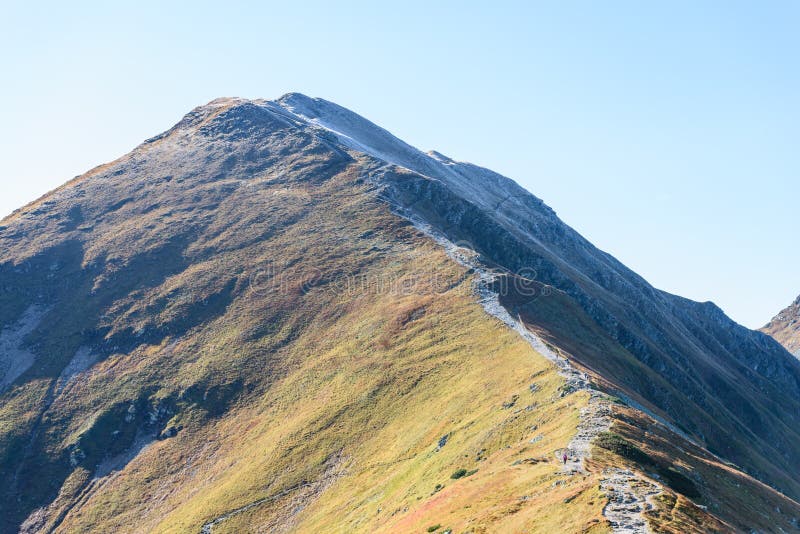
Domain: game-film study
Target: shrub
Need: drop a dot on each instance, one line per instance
(459, 474)
(679, 482)
(617, 444)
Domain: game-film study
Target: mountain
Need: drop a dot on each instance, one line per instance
(785, 328)
(278, 317)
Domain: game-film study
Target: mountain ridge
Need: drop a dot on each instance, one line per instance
(162, 328)
(620, 281)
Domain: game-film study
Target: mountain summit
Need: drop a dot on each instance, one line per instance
(278, 317)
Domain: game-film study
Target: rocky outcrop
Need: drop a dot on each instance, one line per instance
(785, 328)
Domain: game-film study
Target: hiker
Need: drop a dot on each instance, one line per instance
(565, 458)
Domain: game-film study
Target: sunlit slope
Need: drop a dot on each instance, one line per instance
(346, 415)
(282, 338)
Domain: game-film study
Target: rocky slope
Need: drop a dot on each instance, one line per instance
(785, 328)
(278, 317)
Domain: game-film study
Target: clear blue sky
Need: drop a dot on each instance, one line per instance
(665, 132)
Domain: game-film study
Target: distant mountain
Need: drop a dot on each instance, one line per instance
(278, 317)
(785, 328)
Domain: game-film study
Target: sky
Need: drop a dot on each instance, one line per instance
(665, 132)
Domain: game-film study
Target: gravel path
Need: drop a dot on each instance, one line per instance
(595, 418)
(628, 498)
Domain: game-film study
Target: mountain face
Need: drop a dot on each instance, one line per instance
(685, 360)
(278, 317)
(785, 328)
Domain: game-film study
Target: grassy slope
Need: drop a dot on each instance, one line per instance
(343, 395)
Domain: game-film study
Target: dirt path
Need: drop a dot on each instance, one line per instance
(209, 526)
(298, 497)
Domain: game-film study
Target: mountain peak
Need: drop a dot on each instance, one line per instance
(196, 336)
(300, 99)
